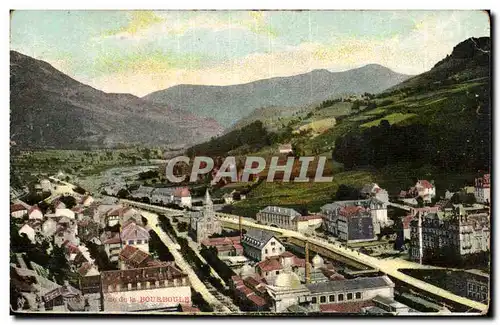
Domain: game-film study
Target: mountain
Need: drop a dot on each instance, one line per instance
(50, 109)
(228, 104)
(469, 60)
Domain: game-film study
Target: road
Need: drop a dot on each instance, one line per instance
(183, 265)
(390, 266)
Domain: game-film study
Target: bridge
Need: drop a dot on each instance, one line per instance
(390, 267)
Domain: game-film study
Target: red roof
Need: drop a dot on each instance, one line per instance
(347, 307)
(311, 217)
(182, 192)
(245, 290)
(351, 210)
(270, 264)
(426, 184)
(34, 208)
(287, 254)
(189, 309)
(257, 300)
(17, 207)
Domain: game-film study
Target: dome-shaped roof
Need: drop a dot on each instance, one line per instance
(287, 279)
(317, 261)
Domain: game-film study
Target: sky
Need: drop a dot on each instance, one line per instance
(140, 52)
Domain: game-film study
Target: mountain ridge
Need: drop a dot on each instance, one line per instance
(228, 104)
(52, 109)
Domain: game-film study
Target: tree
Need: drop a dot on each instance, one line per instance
(123, 193)
(68, 200)
(346, 192)
(356, 105)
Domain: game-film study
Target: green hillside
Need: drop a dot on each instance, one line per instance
(435, 126)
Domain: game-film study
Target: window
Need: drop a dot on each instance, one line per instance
(358, 295)
(341, 297)
(266, 251)
(139, 241)
(131, 242)
(349, 296)
(145, 241)
(274, 249)
(314, 300)
(322, 299)
(331, 298)
(281, 249)
(277, 272)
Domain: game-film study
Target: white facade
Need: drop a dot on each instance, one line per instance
(30, 232)
(36, 214)
(65, 213)
(482, 194)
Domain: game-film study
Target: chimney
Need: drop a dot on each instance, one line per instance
(308, 267)
(241, 227)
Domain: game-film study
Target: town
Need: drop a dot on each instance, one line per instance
(155, 251)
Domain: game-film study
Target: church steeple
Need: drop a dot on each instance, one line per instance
(208, 200)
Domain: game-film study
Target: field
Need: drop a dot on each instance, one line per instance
(298, 195)
(391, 118)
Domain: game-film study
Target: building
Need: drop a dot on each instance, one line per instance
(135, 235)
(260, 244)
(349, 290)
(172, 195)
(287, 291)
(112, 245)
(132, 257)
(18, 210)
(65, 296)
(449, 233)
(336, 215)
(423, 188)
(285, 149)
(46, 185)
(159, 288)
(271, 267)
(305, 224)
(204, 223)
(225, 246)
(482, 189)
(250, 293)
(63, 212)
(349, 221)
(278, 217)
(28, 231)
(35, 213)
(372, 190)
(87, 200)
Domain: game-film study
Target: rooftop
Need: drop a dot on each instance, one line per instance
(350, 284)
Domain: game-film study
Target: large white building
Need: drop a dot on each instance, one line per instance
(259, 245)
(159, 288)
(449, 233)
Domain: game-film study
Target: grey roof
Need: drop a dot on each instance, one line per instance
(350, 284)
(281, 211)
(361, 202)
(257, 238)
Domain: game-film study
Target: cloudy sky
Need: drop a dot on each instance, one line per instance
(143, 51)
